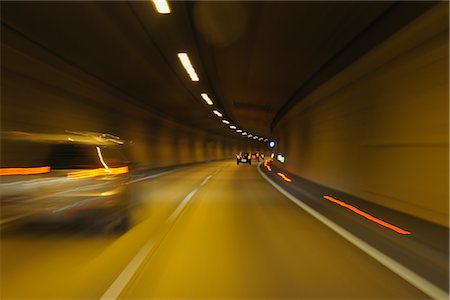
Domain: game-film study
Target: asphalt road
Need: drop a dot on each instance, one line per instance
(215, 230)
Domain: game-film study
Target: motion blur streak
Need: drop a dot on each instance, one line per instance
(367, 216)
(232, 240)
(284, 177)
(266, 162)
(100, 156)
(24, 171)
(97, 172)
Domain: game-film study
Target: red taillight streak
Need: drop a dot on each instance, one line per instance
(267, 166)
(284, 177)
(24, 171)
(367, 216)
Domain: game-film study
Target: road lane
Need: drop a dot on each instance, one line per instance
(240, 238)
(48, 262)
(235, 237)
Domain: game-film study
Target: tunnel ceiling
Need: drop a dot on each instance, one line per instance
(254, 59)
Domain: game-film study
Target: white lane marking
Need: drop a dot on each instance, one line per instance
(161, 174)
(181, 206)
(209, 177)
(7, 220)
(119, 284)
(153, 176)
(416, 280)
(206, 180)
(125, 276)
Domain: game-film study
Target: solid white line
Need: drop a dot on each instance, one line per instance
(206, 180)
(180, 207)
(419, 282)
(153, 176)
(125, 276)
(7, 220)
(119, 284)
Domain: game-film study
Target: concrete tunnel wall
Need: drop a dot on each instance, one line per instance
(379, 129)
(41, 93)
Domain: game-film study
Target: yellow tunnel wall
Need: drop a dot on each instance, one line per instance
(379, 129)
(42, 94)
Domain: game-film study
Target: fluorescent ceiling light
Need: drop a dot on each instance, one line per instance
(184, 58)
(255, 137)
(265, 140)
(250, 135)
(225, 121)
(238, 130)
(217, 113)
(244, 133)
(232, 127)
(206, 98)
(260, 139)
(162, 6)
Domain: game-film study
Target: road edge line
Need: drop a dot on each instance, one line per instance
(411, 277)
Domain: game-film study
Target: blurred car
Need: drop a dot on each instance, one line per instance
(78, 176)
(258, 155)
(244, 157)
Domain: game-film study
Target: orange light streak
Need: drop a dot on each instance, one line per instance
(267, 166)
(284, 177)
(367, 216)
(97, 172)
(24, 171)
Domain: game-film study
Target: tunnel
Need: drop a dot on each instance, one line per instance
(224, 150)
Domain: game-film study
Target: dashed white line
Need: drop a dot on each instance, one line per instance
(206, 180)
(119, 284)
(153, 176)
(125, 276)
(181, 206)
(414, 279)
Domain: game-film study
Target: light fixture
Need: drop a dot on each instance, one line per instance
(232, 127)
(162, 6)
(238, 130)
(206, 98)
(217, 113)
(244, 133)
(250, 135)
(260, 139)
(184, 58)
(225, 121)
(265, 140)
(255, 137)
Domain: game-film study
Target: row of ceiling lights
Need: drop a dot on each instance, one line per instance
(162, 7)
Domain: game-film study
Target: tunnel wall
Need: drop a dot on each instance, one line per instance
(40, 93)
(379, 129)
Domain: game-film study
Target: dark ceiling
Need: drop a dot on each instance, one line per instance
(254, 59)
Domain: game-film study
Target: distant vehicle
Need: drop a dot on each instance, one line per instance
(65, 177)
(258, 155)
(244, 157)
